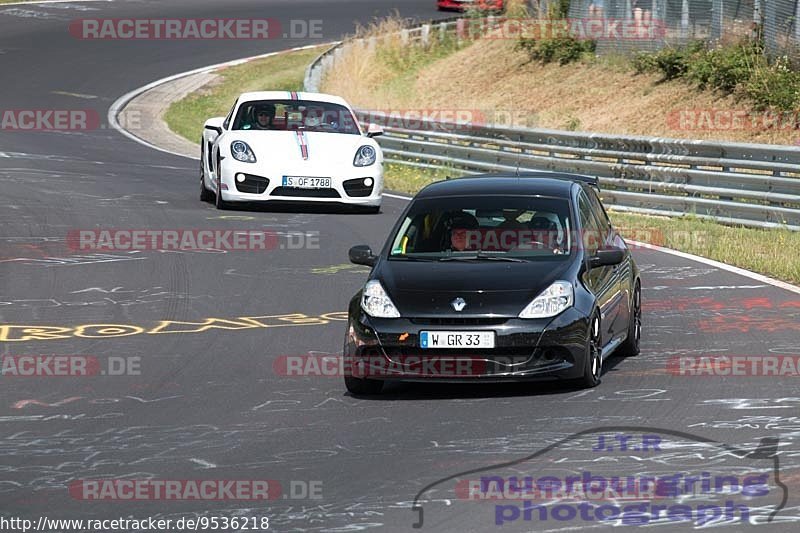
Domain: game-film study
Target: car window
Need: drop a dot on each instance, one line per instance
(592, 233)
(295, 115)
(227, 122)
(597, 208)
(521, 227)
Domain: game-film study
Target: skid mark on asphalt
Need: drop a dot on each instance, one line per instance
(75, 260)
(29, 13)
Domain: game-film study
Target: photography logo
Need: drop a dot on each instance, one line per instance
(616, 475)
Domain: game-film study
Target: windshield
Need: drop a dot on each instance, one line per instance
(484, 228)
(293, 115)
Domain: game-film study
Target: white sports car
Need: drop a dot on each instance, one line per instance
(290, 146)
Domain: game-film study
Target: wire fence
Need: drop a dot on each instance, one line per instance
(653, 24)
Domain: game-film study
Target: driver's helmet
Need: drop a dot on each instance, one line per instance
(262, 109)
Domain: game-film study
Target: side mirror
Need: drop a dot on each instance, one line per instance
(613, 256)
(373, 130)
(362, 255)
(214, 124)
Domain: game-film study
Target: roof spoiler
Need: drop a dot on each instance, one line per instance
(594, 181)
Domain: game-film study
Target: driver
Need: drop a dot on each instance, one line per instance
(265, 114)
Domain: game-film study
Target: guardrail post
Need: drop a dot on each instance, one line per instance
(337, 54)
(461, 25)
(442, 31)
(426, 35)
(404, 37)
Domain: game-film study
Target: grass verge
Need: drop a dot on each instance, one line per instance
(283, 72)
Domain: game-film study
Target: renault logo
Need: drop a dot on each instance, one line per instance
(458, 304)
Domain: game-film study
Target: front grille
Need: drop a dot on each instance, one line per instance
(305, 193)
(356, 187)
(458, 321)
(252, 184)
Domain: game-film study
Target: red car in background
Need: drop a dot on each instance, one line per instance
(463, 5)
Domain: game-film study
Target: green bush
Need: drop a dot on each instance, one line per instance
(563, 49)
(740, 68)
(671, 62)
(776, 86)
(724, 68)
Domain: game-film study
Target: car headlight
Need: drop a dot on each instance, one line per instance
(376, 303)
(242, 152)
(365, 156)
(552, 301)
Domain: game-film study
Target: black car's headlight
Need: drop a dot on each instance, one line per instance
(552, 301)
(365, 156)
(241, 151)
(376, 303)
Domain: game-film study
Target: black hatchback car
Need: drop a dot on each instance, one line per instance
(495, 278)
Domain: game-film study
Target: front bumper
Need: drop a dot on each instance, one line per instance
(388, 349)
(263, 185)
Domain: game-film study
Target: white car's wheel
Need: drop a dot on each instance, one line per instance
(205, 194)
(220, 203)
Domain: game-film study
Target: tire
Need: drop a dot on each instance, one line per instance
(219, 202)
(593, 362)
(630, 347)
(365, 387)
(205, 194)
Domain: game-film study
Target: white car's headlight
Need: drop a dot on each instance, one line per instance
(552, 301)
(241, 151)
(365, 156)
(375, 302)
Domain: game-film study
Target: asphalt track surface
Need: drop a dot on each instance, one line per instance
(210, 405)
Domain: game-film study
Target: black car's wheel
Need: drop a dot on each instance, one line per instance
(361, 386)
(593, 362)
(630, 347)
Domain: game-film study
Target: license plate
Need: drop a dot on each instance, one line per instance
(456, 339)
(301, 182)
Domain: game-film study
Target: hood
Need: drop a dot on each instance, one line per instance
(284, 150)
(421, 289)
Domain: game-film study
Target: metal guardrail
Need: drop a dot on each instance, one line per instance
(755, 185)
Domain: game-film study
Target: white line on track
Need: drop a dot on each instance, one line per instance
(117, 106)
